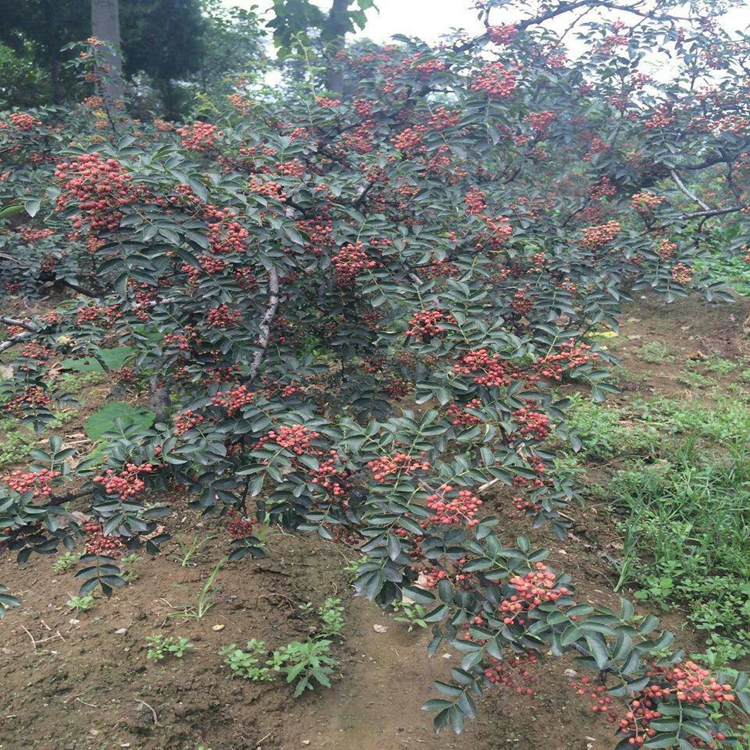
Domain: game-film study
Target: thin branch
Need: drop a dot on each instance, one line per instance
(14, 340)
(18, 323)
(687, 191)
(266, 321)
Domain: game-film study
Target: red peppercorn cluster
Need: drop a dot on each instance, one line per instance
(688, 683)
(234, 399)
(662, 118)
(99, 544)
(100, 187)
(295, 438)
(568, 356)
(532, 424)
(23, 121)
(223, 317)
(461, 509)
(666, 249)
(484, 368)
(396, 388)
(40, 482)
(521, 303)
(187, 421)
(127, 483)
(495, 80)
(241, 528)
(32, 235)
(33, 398)
(331, 476)
(350, 261)
(603, 704)
(228, 237)
(532, 589)
(428, 68)
(603, 188)
(682, 274)
(475, 200)
(460, 417)
(425, 324)
(398, 463)
(502, 34)
(511, 671)
(200, 136)
(596, 237)
(541, 121)
(646, 202)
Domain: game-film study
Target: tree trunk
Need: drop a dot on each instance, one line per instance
(105, 26)
(54, 73)
(334, 33)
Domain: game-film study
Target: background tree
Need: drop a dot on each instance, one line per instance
(105, 25)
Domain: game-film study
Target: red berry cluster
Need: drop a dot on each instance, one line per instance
(567, 357)
(234, 399)
(425, 324)
(295, 438)
(331, 476)
(350, 261)
(100, 187)
(32, 235)
(596, 237)
(532, 424)
(223, 317)
(40, 482)
(241, 528)
(228, 237)
(508, 672)
(496, 80)
(502, 34)
(23, 121)
(541, 121)
(386, 466)
(666, 249)
(532, 589)
(200, 136)
(682, 274)
(688, 683)
(33, 398)
(461, 509)
(646, 202)
(187, 421)
(460, 417)
(99, 544)
(127, 483)
(484, 368)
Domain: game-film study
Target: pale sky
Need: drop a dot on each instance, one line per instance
(430, 19)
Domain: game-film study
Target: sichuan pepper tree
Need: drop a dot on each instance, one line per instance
(350, 317)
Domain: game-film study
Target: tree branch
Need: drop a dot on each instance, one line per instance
(686, 190)
(18, 323)
(265, 323)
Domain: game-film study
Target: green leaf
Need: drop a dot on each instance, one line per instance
(103, 420)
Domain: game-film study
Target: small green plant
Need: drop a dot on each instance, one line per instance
(656, 352)
(332, 617)
(126, 564)
(82, 603)
(161, 646)
(65, 562)
(352, 568)
(204, 599)
(188, 550)
(305, 663)
(249, 663)
(410, 613)
(719, 365)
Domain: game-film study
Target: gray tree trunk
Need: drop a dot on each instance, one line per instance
(105, 25)
(334, 33)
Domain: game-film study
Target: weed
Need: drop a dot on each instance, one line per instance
(305, 663)
(65, 562)
(126, 564)
(189, 550)
(656, 352)
(332, 617)
(246, 663)
(162, 646)
(82, 603)
(411, 613)
(204, 600)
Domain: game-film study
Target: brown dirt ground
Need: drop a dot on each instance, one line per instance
(88, 685)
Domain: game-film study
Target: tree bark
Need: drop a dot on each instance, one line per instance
(105, 26)
(334, 33)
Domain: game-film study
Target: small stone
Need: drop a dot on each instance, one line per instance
(305, 742)
(380, 628)
(121, 631)
(218, 627)
(571, 673)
